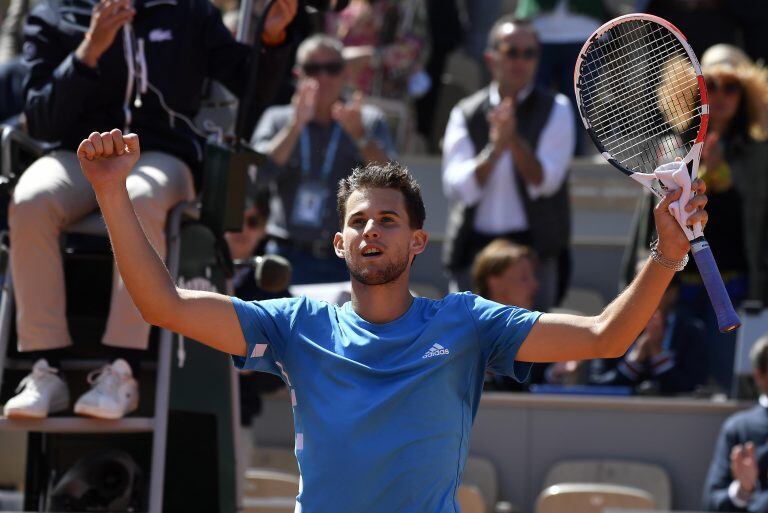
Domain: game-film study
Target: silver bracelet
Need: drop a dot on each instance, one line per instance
(675, 265)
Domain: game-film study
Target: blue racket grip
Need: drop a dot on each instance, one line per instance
(727, 320)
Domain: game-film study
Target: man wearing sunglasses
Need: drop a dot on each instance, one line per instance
(313, 143)
(506, 152)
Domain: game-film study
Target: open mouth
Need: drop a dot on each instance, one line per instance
(371, 252)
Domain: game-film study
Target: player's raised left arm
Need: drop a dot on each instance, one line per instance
(559, 337)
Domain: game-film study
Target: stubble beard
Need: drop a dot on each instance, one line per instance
(389, 274)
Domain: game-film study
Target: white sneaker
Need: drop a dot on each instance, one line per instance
(40, 392)
(114, 393)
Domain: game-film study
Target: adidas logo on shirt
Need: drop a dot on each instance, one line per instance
(435, 350)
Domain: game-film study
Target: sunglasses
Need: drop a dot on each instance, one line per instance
(728, 87)
(253, 221)
(513, 52)
(313, 69)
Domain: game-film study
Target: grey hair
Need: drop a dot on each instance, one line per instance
(758, 355)
(312, 43)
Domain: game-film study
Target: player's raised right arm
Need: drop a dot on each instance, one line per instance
(106, 160)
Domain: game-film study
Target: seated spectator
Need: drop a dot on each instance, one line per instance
(243, 246)
(505, 272)
(704, 22)
(738, 475)
(77, 84)
(248, 243)
(12, 69)
(666, 359)
(506, 154)
(387, 41)
(734, 164)
(312, 144)
(563, 27)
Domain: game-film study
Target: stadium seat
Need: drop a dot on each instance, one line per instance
(275, 458)
(480, 473)
(647, 477)
(471, 499)
(592, 498)
(269, 491)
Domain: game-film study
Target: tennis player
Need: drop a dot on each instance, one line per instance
(385, 387)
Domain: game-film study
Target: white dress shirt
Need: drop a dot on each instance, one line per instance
(499, 206)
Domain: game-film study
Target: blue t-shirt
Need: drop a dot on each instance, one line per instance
(383, 412)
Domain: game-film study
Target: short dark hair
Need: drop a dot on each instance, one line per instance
(759, 355)
(391, 175)
(514, 20)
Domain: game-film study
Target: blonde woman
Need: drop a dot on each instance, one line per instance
(734, 165)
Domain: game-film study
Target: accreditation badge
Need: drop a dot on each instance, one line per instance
(309, 205)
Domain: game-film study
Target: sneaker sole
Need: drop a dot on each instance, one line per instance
(97, 413)
(35, 415)
(25, 415)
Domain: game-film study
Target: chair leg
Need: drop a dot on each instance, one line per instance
(163, 383)
(6, 316)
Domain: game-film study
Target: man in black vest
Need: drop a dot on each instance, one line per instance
(506, 153)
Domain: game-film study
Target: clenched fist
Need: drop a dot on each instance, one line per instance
(107, 158)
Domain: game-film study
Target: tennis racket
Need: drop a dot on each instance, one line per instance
(643, 101)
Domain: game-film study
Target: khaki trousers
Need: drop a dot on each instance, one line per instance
(54, 193)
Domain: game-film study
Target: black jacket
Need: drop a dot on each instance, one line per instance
(184, 42)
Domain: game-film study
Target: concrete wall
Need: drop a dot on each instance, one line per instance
(524, 435)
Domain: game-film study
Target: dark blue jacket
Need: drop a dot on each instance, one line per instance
(740, 428)
(184, 41)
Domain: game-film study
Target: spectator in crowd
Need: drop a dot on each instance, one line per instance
(666, 359)
(738, 475)
(445, 35)
(504, 272)
(752, 16)
(311, 145)
(506, 153)
(391, 38)
(480, 17)
(12, 69)
(243, 246)
(734, 164)
(77, 84)
(248, 243)
(563, 26)
(704, 22)
(12, 28)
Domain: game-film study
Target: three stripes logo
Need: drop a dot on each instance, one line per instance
(435, 350)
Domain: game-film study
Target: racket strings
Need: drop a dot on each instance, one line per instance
(645, 105)
(625, 55)
(640, 93)
(609, 91)
(632, 86)
(626, 33)
(634, 78)
(647, 121)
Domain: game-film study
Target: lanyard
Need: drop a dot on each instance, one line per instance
(330, 153)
